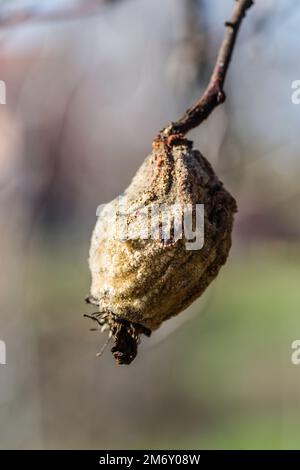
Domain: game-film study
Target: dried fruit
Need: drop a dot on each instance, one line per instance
(139, 283)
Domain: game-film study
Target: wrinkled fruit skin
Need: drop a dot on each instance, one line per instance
(146, 282)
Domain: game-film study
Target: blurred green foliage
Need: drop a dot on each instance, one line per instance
(223, 380)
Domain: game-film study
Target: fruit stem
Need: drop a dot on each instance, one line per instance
(214, 93)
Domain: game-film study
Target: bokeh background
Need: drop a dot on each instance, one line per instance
(89, 85)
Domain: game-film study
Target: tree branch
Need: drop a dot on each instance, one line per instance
(214, 93)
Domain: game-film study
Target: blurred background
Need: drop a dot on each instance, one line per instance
(88, 86)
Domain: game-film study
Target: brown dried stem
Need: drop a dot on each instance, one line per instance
(214, 93)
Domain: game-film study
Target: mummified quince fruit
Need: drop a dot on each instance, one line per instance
(140, 282)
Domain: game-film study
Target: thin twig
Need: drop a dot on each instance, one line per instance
(214, 93)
